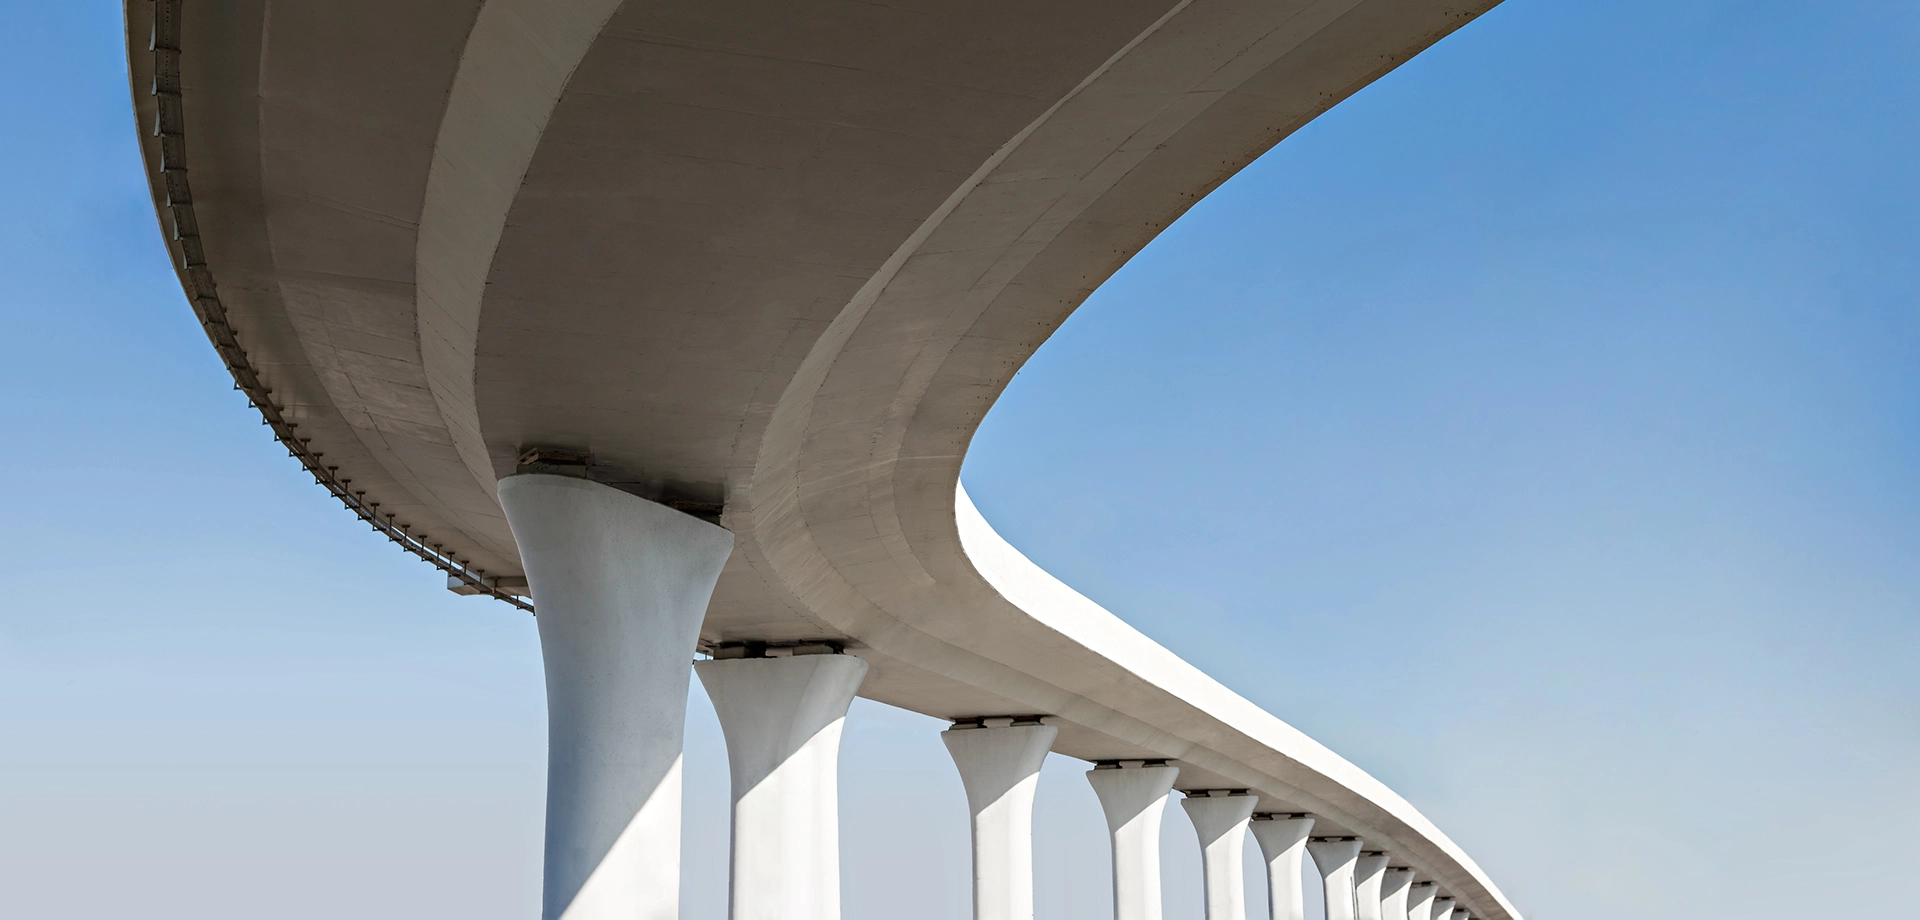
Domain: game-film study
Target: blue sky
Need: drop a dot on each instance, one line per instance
(1538, 429)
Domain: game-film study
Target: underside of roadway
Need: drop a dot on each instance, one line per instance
(774, 258)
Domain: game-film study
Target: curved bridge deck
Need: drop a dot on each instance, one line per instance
(769, 264)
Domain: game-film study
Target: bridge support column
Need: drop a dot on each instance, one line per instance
(782, 718)
(1395, 885)
(1220, 818)
(1369, 871)
(999, 764)
(1283, 841)
(1442, 909)
(622, 585)
(1335, 856)
(1134, 797)
(1420, 900)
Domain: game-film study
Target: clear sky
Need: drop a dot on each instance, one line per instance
(1539, 429)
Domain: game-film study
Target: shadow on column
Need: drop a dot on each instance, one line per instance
(621, 584)
(783, 718)
(999, 763)
(1133, 794)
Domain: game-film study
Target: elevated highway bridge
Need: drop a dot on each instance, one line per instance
(672, 320)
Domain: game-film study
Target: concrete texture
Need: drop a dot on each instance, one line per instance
(622, 582)
(1420, 900)
(1000, 767)
(783, 718)
(1134, 797)
(1395, 886)
(1369, 871)
(770, 260)
(1283, 844)
(1335, 858)
(1220, 821)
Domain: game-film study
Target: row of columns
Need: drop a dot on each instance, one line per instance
(622, 585)
(1358, 884)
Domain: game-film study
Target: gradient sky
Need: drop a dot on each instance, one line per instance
(1538, 429)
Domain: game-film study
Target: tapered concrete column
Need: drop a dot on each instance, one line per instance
(1283, 841)
(1394, 888)
(1220, 818)
(1420, 900)
(782, 718)
(622, 585)
(1000, 767)
(1443, 909)
(1459, 914)
(1368, 873)
(1134, 798)
(1334, 857)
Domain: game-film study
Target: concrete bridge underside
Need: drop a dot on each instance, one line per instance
(772, 262)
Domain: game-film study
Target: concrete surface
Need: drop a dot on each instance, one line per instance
(771, 261)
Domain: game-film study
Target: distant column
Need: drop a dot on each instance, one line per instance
(999, 761)
(1394, 888)
(782, 718)
(1334, 857)
(1420, 900)
(1369, 871)
(622, 585)
(1283, 841)
(1134, 796)
(1220, 818)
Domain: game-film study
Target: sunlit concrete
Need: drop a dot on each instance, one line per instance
(1420, 900)
(1335, 857)
(1395, 886)
(1134, 797)
(1220, 819)
(622, 583)
(770, 263)
(1283, 844)
(783, 718)
(999, 764)
(1369, 871)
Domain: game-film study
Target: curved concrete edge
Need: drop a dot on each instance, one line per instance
(1024, 586)
(1058, 606)
(212, 111)
(517, 62)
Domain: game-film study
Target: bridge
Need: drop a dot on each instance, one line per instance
(671, 323)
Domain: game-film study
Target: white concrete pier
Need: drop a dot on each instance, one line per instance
(435, 242)
(1443, 909)
(1134, 797)
(1420, 899)
(1394, 888)
(1335, 858)
(782, 718)
(1368, 873)
(622, 585)
(999, 763)
(1220, 819)
(1283, 842)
